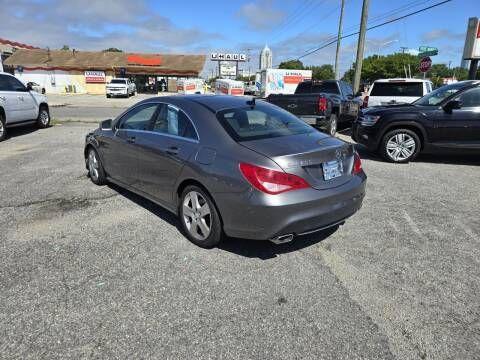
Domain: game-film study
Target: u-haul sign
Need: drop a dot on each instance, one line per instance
(227, 57)
(95, 77)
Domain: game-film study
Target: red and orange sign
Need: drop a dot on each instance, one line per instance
(153, 60)
(292, 79)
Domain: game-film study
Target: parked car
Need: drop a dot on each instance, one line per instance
(229, 165)
(36, 87)
(445, 119)
(121, 87)
(19, 105)
(322, 103)
(396, 91)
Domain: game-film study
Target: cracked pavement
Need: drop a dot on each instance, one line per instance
(97, 272)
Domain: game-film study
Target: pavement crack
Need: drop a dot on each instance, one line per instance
(60, 201)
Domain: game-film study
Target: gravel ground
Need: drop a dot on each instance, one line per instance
(97, 272)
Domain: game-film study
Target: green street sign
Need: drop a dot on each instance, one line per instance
(427, 51)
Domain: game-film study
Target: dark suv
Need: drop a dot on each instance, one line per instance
(447, 118)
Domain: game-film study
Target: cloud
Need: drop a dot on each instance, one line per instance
(125, 24)
(261, 15)
(441, 34)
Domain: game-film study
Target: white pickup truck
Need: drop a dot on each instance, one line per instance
(20, 105)
(120, 87)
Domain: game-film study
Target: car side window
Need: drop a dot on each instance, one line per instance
(16, 85)
(4, 83)
(470, 98)
(138, 118)
(172, 121)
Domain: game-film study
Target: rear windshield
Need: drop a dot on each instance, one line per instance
(261, 121)
(397, 89)
(317, 87)
(118, 81)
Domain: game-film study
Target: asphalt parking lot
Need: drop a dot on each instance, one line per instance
(97, 272)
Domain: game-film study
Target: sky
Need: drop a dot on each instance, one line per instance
(289, 27)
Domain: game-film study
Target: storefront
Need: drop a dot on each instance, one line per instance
(84, 72)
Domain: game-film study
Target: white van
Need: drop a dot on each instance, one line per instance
(396, 91)
(229, 87)
(190, 86)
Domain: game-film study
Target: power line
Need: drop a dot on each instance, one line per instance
(374, 27)
(295, 19)
(385, 15)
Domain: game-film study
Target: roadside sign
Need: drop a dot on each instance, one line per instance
(425, 64)
(424, 51)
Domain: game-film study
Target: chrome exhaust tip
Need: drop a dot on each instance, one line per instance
(282, 239)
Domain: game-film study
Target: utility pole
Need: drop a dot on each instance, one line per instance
(339, 37)
(361, 46)
(472, 73)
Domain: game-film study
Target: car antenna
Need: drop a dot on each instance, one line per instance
(251, 102)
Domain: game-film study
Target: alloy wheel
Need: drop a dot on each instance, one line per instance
(44, 118)
(2, 129)
(93, 165)
(333, 127)
(197, 215)
(401, 147)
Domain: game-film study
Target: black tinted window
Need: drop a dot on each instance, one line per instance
(261, 122)
(138, 118)
(173, 121)
(304, 88)
(4, 83)
(470, 98)
(397, 89)
(118, 81)
(325, 87)
(346, 89)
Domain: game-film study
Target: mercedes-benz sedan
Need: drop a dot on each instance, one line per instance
(229, 165)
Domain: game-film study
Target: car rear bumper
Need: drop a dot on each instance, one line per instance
(254, 215)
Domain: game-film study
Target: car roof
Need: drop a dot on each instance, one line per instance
(393, 80)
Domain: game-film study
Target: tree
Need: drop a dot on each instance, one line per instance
(399, 65)
(291, 64)
(65, 47)
(112, 49)
(323, 72)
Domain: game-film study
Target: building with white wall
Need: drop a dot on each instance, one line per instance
(266, 58)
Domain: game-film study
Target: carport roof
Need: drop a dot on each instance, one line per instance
(154, 64)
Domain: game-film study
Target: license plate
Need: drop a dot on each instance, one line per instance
(332, 169)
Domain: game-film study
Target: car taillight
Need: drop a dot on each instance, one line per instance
(271, 181)
(365, 102)
(357, 164)
(322, 104)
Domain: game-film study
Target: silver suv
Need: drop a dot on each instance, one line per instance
(19, 105)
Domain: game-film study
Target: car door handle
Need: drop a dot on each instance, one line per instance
(173, 150)
(131, 139)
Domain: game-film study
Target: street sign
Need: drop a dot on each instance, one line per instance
(425, 64)
(425, 51)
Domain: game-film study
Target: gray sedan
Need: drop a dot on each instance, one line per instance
(229, 165)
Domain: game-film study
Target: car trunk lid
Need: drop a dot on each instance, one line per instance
(308, 156)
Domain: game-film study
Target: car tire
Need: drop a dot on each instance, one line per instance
(43, 91)
(108, 96)
(332, 125)
(43, 119)
(400, 146)
(95, 167)
(201, 227)
(3, 128)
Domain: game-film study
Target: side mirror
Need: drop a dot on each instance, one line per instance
(452, 105)
(106, 124)
(29, 87)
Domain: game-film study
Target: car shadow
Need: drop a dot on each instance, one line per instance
(266, 250)
(155, 209)
(20, 131)
(248, 248)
